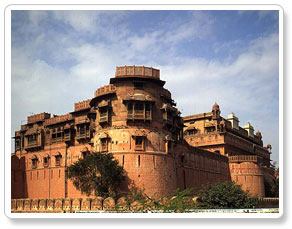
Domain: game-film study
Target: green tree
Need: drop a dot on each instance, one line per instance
(225, 195)
(97, 172)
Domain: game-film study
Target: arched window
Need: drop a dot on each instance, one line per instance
(34, 162)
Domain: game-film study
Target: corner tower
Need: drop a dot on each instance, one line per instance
(137, 121)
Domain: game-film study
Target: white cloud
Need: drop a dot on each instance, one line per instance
(242, 85)
(36, 16)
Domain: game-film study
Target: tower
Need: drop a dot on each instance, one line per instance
(137, 121)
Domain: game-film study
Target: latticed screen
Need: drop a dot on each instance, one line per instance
(138, 70)
(148, 72)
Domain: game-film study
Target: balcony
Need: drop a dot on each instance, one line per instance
(32, 145)
(80, 136)
(139, 115)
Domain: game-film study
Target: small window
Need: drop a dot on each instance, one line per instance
(139, 160)
(138, 85)
(46, 161)
(58, 160)
(103, 142)
(182, 158)
(34, 162)
(139, 143)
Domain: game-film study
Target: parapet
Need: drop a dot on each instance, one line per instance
(58, 119)
(82, 105)
(107, 89)
(38, 117)
(137, 71)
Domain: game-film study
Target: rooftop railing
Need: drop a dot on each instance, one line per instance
(242, 158)
(58, 119)
(137, 71)
(82, 105)
(105, 90)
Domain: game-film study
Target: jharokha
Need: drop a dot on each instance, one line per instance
(136, 119)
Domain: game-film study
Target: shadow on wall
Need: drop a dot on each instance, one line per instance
(18, 178)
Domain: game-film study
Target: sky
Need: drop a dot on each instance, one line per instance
(228, 57)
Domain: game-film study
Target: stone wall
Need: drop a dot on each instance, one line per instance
(93, 204)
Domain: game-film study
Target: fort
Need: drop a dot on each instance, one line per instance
(136, 119)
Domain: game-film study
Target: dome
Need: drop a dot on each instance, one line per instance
(215, 107)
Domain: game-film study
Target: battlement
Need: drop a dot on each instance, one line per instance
(82, 105)
(107, 89)
(58, 119)
(243, 158)
(38, 117)
(137, 71)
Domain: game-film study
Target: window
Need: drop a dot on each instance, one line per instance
(139, 111)
(139, 143)
(34, 162)
(57, 135)
(83, 132)
(103, 114)
(139, 160)
(58, 159)
(103, 143)
(46, 161)
(32, 139)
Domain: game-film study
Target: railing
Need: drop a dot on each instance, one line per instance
(82, 105)
(242, 158)
(139, 115)
(57, 139)
(67, 136)
(137, 71)
(105, 90)
(148, 115)
(57, 119)
(103, 118)
(83, 135)
(38, 117)
(82, 119)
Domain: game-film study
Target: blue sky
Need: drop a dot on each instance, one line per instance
(231, 57)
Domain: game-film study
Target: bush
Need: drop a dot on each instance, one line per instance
(225, 195)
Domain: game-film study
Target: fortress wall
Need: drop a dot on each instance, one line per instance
(152, 172)
(250, 176)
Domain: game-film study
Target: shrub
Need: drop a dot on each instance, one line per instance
(225, 195)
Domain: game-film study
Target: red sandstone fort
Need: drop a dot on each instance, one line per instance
(135, 118)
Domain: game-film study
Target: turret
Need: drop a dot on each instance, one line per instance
(234, 121)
